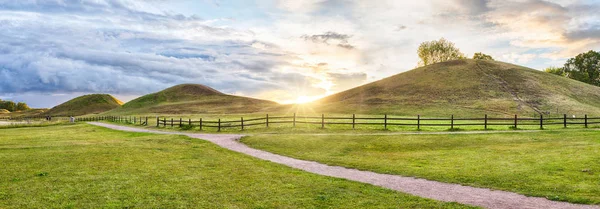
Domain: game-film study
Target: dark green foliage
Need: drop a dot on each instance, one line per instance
(556, 70)
(22, 106)
(585, 67)
(482, 56)
(12, 106)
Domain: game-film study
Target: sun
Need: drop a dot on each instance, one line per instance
(303, 99)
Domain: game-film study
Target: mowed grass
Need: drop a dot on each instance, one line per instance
(82, 166)
(558, 165)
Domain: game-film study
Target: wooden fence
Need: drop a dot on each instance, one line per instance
(384, 121)
(354, 121)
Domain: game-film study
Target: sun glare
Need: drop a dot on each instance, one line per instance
(303, 99)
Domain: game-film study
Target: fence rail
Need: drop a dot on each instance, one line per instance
(384, 121)
(353, 121)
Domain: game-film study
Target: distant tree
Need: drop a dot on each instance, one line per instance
(585, 67)
(9, 105)
(556, 70)
(22, 106)
(442, 50)
(482, 56)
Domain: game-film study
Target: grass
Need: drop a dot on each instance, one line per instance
(82, 166)
(86, 104)
(467, 87)
(33, 124)
(557, 164)
(191, 98)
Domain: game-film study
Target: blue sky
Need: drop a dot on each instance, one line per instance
(282, 50)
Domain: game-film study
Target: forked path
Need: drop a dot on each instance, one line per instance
(420, 187)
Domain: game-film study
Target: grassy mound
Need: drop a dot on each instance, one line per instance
(190, 99)
(83, 105)
(4, 111)
(468, 87)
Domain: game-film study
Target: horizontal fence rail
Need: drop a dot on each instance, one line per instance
(323, 121)
(385, 121)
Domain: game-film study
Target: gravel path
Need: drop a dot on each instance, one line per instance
(424, 188)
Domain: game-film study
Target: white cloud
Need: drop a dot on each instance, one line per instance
(133, 47)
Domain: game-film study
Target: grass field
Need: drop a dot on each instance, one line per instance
(82, 166)
(560, 165)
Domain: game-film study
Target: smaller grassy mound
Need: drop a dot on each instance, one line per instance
(87, 104)
(191, 99)
(4, 111)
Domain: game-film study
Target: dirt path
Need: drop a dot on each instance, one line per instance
(424, 188)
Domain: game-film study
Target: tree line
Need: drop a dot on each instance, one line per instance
(585, 67)
(12, 106)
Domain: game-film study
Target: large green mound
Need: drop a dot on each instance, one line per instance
(468, 88)
(192, 99)
(83, 105)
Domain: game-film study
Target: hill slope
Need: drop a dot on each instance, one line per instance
(468, 87)
(192, 99)
(83, 105)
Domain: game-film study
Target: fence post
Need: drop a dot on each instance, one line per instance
(146, 120)
(515, 121)
(180, 122)
(418, 122)
(267, 120)
(485, 122)
(541, 121)
(294, 120)
(452, 122)
(164, 122)
(189, 121)
(353, 120)
(171, 122)
(385, 121)
(322, 120)
(586, 124)
(565, 120)
(219, 130)
(242, 123)
(157, 122)
(201, 124)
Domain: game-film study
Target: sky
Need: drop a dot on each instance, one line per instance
(282, 50)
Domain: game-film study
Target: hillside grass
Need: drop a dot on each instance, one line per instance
(470, 88)
(559, 165)
(82, 166)
(84, 105)
(192, 99)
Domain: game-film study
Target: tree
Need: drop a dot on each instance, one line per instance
(9, 105)
(482, 56)
(585, 67)
(432, 52)
(556, 70)
(22, 106)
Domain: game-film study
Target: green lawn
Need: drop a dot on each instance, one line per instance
(559, 165)
(82, 166)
